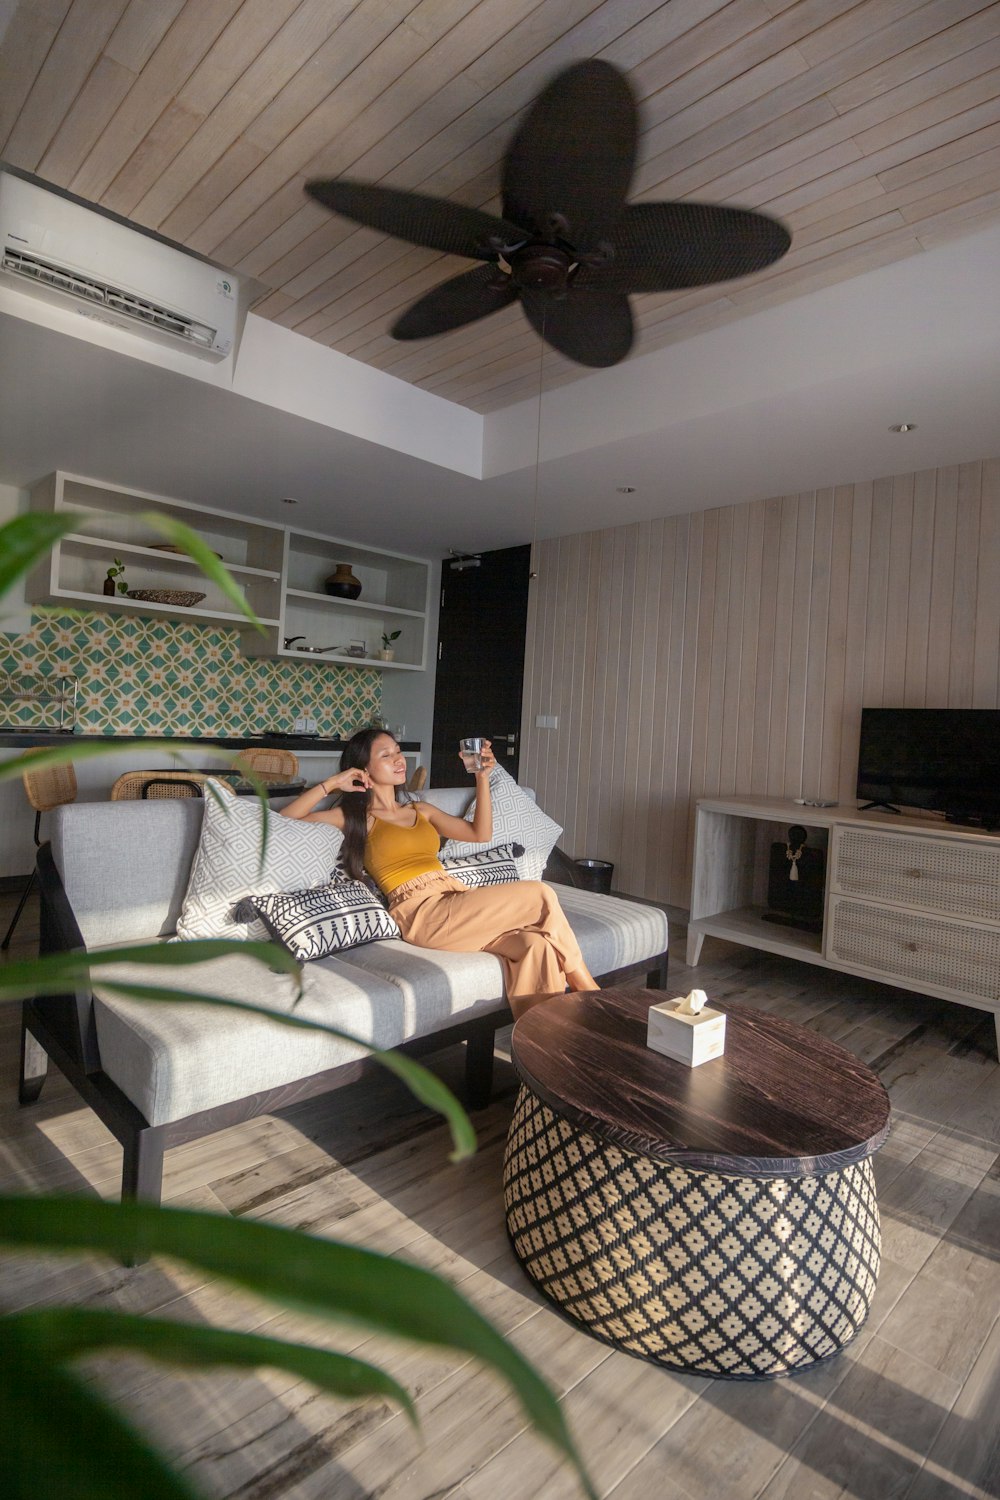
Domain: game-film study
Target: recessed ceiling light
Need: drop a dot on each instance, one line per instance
(625, 489)
(288, 500)
(904, 427)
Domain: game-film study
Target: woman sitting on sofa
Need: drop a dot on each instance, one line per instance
(397, 844)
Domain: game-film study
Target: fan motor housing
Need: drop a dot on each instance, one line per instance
(542, 268)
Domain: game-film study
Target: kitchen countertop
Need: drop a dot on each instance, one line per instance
(25, 739)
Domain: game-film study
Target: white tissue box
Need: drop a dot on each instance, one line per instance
(687, 1039)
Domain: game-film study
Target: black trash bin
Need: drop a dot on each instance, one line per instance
(595, 874)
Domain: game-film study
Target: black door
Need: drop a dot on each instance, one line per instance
(480, 669)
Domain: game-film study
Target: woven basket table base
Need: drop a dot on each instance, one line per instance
(739, 1277)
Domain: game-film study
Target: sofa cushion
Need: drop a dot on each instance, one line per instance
(327, 918)
(488, 867)
(228, 867)
(125, 865)
(613, 933)
(172, 1060)
(517, 819)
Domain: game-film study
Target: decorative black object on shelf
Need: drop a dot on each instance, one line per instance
(795, 883)
(342, 583)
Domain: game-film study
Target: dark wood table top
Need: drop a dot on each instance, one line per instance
(781, 1102)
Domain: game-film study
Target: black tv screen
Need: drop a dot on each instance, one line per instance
(943, 759)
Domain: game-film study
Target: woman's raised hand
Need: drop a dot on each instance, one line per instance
(354, 780)
(486, 756)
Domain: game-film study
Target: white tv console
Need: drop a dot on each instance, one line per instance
(909, 901)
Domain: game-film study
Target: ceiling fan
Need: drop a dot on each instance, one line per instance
(568, 246)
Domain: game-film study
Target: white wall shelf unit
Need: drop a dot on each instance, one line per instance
(395, 595)
(913, 902)
(280, 571)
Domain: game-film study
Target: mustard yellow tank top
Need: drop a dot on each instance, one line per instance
(395, 854)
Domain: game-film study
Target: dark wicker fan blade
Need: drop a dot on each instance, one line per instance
(573, 155)
(432, 222)
(591, 327)
(463, 299)
(662, 246)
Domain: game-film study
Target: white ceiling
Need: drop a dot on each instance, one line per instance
(793, 397)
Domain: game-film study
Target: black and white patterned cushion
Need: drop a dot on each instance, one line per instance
(227, 865)
(517, 819)
(325, 919)
(494, 866)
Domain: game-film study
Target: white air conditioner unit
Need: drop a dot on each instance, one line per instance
(63, 252)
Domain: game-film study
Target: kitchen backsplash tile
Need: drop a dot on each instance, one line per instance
(152, 676)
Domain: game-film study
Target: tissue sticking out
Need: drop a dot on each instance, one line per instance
(692, 1004)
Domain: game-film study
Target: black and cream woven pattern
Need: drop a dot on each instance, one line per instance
(739, 1277)
(325, 919)
(489, 867)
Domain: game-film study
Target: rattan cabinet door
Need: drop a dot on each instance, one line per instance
(958, 959)
(959, 876)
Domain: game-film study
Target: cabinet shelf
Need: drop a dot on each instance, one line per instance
(908, 902)
(125, 605)
(280, 572)
(167, 559)
(361, 604)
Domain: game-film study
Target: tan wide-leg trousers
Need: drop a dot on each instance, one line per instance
(522, 923)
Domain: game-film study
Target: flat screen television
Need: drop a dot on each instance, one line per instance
(943, 759)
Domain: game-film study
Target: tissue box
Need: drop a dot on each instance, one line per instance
(687, 1039)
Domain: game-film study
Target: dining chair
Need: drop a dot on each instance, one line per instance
(270, 762)
(49, 787)
(418, 779)
(144, 786)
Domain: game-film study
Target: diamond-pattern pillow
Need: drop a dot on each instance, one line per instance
(517, 819)
(489, 867)
(326, 919)
(227, 866)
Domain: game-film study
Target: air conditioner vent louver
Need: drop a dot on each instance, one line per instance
(101, 294)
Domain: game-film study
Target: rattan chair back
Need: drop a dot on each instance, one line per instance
(418, 780)
(270, 762)
(146, 786)
(52, 786)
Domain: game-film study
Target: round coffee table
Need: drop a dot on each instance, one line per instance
(719, 1219)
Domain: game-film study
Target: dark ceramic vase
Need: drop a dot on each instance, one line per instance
(342, 583)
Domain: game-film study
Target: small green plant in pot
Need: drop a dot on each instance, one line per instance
(387, 652)
(114, 581)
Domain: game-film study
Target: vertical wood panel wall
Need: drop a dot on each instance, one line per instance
(731, 651)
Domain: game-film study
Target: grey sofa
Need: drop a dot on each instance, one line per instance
(161, 1073)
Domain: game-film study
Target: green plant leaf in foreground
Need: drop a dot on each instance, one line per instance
(25, 540)
(65, 1333)
(323, 1277)
(54, 972)
(190, 542)
(61, 1439)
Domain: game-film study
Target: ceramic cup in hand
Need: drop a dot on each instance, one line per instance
(472, 754)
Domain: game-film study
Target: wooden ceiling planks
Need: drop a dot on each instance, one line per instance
(872, 128)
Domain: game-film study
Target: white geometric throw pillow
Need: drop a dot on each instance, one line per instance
(227, 867)
(326, 919)
(488, 867)
(517, 819)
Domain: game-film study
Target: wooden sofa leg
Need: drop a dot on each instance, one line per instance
(34, 1067)
(142, 1166)
(656, 979)
(142, 1172)
(479, 1068)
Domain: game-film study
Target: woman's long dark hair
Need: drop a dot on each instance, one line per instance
(355, 757)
